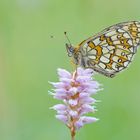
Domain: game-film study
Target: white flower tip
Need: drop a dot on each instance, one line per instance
(100, 89)
(73, 102)
(97, 119)
(73, 90)
(95, 110)
(50, 82)
(51, 93)
(51, 107)
(98, 101)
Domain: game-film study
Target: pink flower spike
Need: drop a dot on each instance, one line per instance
(75, 90)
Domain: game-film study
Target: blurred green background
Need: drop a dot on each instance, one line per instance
(29, 58)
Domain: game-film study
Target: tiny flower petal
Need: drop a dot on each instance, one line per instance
(57, 85)
(91, 91)
(83, 78)
(73, 113)
(62, 112)
(63, 73)
(60, 91)
(61, 96)
(62, 118)
(83, 95)
(73, 90)
(87, 100)
(59, 107)
(92, 84)
(78, 124)
(80, 71)
(86, 120)
(73, 102)
(88, 72)
(66, 80)
(86, 108)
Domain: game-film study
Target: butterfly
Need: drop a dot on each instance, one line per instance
(110, 51)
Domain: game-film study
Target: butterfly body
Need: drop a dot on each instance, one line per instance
(109, 51)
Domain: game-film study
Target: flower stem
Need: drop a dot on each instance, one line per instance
(72, 138)
(72, 135)
(72, 129)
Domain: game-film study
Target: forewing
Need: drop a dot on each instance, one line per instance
(112, 50)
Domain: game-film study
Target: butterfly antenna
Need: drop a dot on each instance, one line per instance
(65, 33)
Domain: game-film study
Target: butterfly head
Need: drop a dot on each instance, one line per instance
(70, 50)
(72, 53)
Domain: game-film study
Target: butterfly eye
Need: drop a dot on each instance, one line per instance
(71, 49)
